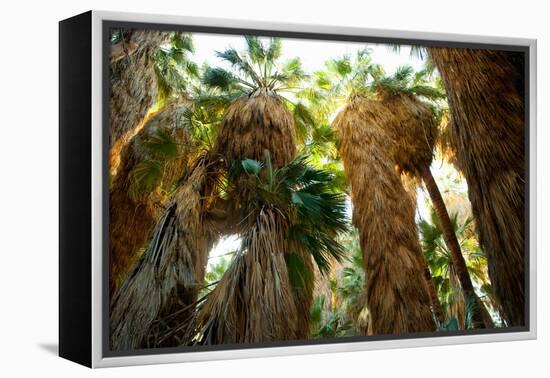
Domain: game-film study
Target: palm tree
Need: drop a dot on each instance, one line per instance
(148, 68)
(329, 324)
(150, 163)
(170, 272)
(351, 286)
(145, 166)
(392, 255)
(183, 171)
(260, 118)
(292, 218)
(159, 296)
(397, 293)
(405, 83)
(486, 90)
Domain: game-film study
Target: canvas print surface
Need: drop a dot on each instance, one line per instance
(272, 191)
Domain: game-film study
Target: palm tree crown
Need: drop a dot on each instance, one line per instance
(256, 68)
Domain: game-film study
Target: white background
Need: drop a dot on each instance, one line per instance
(29, 174)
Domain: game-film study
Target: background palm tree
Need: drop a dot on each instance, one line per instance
(486, 89)
(339, 307)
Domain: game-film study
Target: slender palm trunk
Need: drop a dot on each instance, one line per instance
(480, 316)
(436, 304)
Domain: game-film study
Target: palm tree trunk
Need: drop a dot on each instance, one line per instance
(480, 316)
(254, 300)
(485, 89)
(132, 219)
(134, 87)
(436, 304)
(170, 273)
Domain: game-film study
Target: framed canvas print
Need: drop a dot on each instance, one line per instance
(234, 189)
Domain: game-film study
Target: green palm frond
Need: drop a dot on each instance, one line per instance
(297, 270)
(341, 67)
(304, 122)
(145, 177)
(175, 70)
(216, 271)
(406, 81)
(403, 74)
(224, 80)
(256, 67)
(321, 148)
(343, 77)
(256, 49)
(162, 144)
(317, 214)
(274, 50)
(327, 324)
(416, 51)
(439, 261)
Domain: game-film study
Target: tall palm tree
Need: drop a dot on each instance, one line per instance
(292, 218)
(170, 273)
(147, 67)
(260, 118)
(486, 91)
(397, 293)
(415, 86)
(215, 197)
(150, 163)
(145, 165)
(181, 176)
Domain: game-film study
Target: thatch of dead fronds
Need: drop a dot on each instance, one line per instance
(255, 123)
(291, 221)
(397, 294)
(133, 215)
(171, 271)
(485, 89)
(445, 144)
(134, 85)
(254, 300)
(412, 129)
